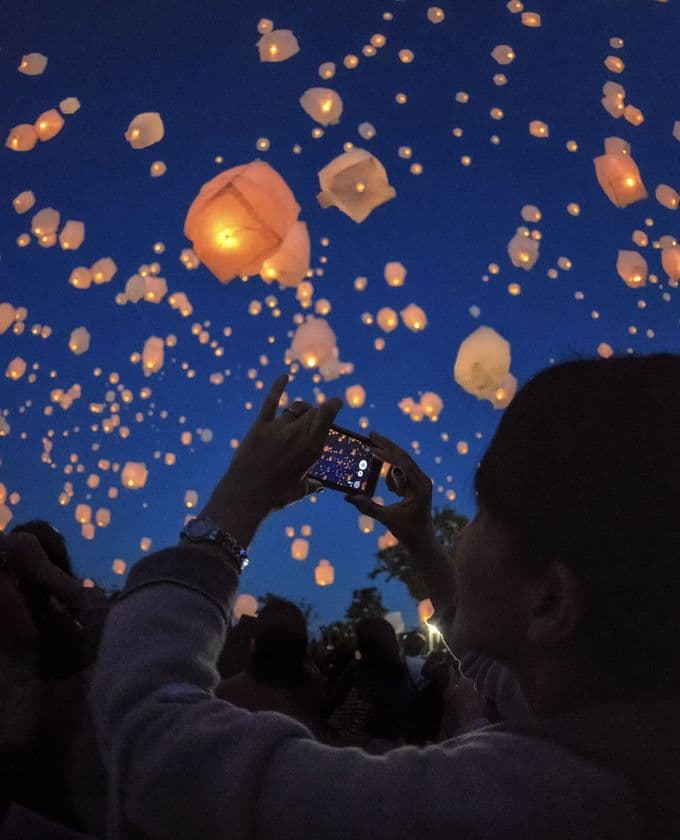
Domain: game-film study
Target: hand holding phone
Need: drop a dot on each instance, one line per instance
(347, 463)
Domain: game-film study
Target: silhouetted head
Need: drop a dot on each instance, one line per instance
(377, 643)
(414, 644)
(577, 539)
(51, 540)
(279, 643)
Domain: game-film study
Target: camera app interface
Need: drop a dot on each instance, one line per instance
(345, 461)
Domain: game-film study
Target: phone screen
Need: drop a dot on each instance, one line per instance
(347, 463)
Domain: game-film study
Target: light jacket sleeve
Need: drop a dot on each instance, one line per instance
(185, 764)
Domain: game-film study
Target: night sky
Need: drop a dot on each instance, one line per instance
(197, 65)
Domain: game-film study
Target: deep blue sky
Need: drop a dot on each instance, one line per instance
(197, 65)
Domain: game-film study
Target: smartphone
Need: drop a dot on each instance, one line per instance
(347, 463)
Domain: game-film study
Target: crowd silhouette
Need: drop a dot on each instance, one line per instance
(548, 707)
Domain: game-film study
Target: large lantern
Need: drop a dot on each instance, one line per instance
(619, 177)
(324, 573)
(290, 263)
(134, 475)
(482, 363)
(356, 183)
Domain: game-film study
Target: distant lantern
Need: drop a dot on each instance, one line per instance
(48, 124)
(414, 318)
(605, 350)
(277, 45)
(134, 475)
(83, 514)
(119, 567)
(69, 105)
(356, 183)
(33, 64)
(366, 523)
(102, 517)
(323, 105)
(503, 54)
(667, 196)
(523, 250)
(366, 130)
(314, 343)
(240, 218)
(432, 405)
(265, 25)
(22, 138)
(16, 368)
(670, 260)
(245, 605)
(72, 235)
(299, 549)
(425, 610)
(190, 499)
(504, 394)
(482, 363)
(144, 130)
(153, 355)
(406, 56)
(619, 177)
(79, 341)
(145, 543)
(8, 315)
(289, 264)
(435, 14)
(387, 319)
(537, 128)
(324, 573)
(531, 213)
(632, 268)
(531, 19)
(355, 396)
(395, 274)
(633, 115)
(157, 169)
(327, 70)
(614, 64)
(102, 270)
(155, 288)
(23, 202)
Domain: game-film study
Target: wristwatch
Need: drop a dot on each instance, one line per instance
(203, 529)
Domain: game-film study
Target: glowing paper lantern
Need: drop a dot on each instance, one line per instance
(435, 14)
(72, 235)
(155, 288)
(153, 355)
(366, 130)
(265, 25)
(633, 115)
(537, 128)
(7, 316)
(323, 105)
(79, 342)
(313, 343)
(299, 549)
(289, 264)
(366, 523)
(395, 274)
(157, 169)
(531, 19)
(667, 196)
(134, 475)
(33, 64)
(632, 268)
(16, 368)
(531, 213)
(278, 45)
(414, 317)
(102, 517)
(425, 610)
(23, 202)
(619, 177)
(356, 183)
(523, 250)
(240, 218)
(83, 514)
(503, 395)
(144, 130)
(387, 319)
(324, 573)
(614, 64)
(355, 396)
(69, 105)
(102, 270)
(670, 260)
(432, 405)
(22, 138)
(48, 124)
(482, 363)
(503, 54)
(190, 498)
(245, 605)
(119, 567)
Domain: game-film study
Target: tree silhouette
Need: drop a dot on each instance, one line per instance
(366, 603)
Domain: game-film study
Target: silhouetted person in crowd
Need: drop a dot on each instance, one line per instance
(236, 653)
(561, 602)
(277, 678)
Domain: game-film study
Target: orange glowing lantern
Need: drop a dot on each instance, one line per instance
(299, 549)
(22, 138)
(289, 264)
(48, 124)
(631, 267)
(619, 177)
(134, 475)
(278, 45)
(145, 130)
(356, 183)
(324, 573)
(323, 105)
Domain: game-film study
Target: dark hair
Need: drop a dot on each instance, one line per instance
(280, 634)
(585, 467)
(51, 540)
(377, 643)
(414, 643)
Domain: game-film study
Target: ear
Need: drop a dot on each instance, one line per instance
(556, 604)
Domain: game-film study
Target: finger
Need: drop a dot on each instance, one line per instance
(322, 419)
(271, 401)
(292, 412)
(365, 505)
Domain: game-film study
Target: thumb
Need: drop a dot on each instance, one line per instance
(365, 505)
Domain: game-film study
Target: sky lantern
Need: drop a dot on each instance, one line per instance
(144, 130)
(355, 396)
(432, 405)
(6, 516)
(667, 196)
(523, 250)
(395, 274)
(670, 260)
(327, 70)
(240, 218)
(153, 355)
(324, 573)
(23, 202)
(22, 138)
(16, 368)
(277, 45)
(102, 517)
(614, 64)
(356, 183)
(531, 213)
(299, 549)
(155, 288)
(102, 270)
(79, 342)
(7, 316)
(33, 64)
(134, 475)
(157, 169)
(537, 128)
(632, 268)
(633, 115)
(502, 396)
(425, 610)
(482, 363)
(313, 343)
(48, 124)
(619, 177)
(503, 54)
(80, 278)
(83, 514)
(387, 319)
(72, 235)
(435, 14)
(119, 566)
(135, 288)
(366, 130)
(289, 264)
(245, 605)
(531, 19)
(414, 318)
(190, 499)
(323, 105)
(676, 130)
(69, 105)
